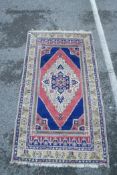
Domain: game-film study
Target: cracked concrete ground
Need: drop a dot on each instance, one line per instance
(16, 18)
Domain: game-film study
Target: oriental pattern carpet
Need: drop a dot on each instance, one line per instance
(60, 119)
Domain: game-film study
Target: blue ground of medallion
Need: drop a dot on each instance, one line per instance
(43, 112)
(46, 57)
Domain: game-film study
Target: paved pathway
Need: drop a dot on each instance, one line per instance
(16, 18)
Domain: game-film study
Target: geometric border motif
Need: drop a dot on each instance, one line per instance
(63, 149)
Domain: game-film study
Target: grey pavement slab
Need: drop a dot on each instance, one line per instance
(18, 17)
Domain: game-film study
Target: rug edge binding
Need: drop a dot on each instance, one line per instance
(103, 109)
(21, 82)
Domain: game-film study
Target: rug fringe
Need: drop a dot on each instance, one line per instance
(59, 165)
(59, 31)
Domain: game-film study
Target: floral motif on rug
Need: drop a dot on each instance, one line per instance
(60, 119)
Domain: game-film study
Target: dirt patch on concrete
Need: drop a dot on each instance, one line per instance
(14, 34)
(10, 72)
